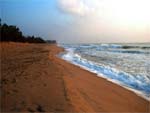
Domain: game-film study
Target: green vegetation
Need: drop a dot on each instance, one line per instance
(13, 33)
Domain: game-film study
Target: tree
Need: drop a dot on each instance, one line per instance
(13, 33)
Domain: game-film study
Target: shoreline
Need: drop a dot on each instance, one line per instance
(108, 80)
(44, 82)
(138, 93)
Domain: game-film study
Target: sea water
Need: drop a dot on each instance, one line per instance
(125, 64)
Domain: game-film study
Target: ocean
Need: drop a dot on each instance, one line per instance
(127, 65)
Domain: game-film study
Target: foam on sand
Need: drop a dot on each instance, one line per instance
(137, 84)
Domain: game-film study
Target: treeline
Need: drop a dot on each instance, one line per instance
(13, 33)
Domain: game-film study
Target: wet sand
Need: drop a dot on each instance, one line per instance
(33, 79)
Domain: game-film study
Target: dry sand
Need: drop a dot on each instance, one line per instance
(33, 79)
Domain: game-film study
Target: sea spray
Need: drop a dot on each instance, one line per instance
(129, 69)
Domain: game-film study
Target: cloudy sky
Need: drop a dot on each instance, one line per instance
(80, 21)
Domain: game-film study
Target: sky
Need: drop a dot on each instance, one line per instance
(80, 21)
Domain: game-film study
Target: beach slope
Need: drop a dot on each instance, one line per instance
(34, 79)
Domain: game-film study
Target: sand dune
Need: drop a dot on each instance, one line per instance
(35, 80)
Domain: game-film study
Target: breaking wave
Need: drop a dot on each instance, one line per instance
(80, 54)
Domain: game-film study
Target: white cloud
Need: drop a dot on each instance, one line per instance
(108, 20)
(78, 7)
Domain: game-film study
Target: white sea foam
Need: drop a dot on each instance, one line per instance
(138, 84)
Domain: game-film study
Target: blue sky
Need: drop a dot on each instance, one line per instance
(74, 21)
(34, 17)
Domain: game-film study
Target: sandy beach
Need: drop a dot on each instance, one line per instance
(34, 79)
